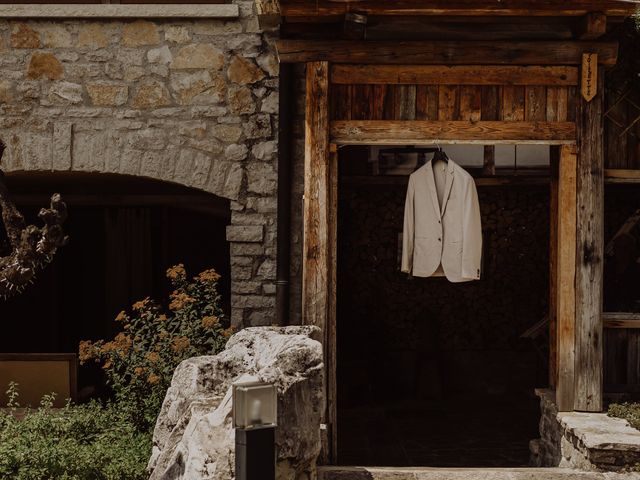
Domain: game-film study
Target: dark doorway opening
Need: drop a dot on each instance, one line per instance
(432, 373)
(124, 234)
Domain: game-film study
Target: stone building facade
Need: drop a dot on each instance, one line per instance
(192, 101)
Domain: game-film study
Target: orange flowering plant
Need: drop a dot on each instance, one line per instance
(139, 362)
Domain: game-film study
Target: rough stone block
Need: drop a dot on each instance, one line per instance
(198, 87)
(176, 34)
(107, 93)
(199, 55)
(93, 35)
(244, 71)
(62, 137)
(23, 36)
(65, 92)
(44, 65)
(151, 94)
(160, 55)
(241, 101)
(235, 152)
(55, 36)
(246, 233)
(139, 33)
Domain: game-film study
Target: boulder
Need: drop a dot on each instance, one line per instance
(194, 436)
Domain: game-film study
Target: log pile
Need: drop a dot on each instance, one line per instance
(28, 248)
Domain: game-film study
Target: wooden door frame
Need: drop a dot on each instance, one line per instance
(577, 305)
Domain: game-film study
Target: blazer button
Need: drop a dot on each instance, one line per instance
(439, 239)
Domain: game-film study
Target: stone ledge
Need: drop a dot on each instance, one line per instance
(592, 439)
(191, 10)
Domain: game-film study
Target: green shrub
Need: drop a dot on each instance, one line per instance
(139, 362)
(629, 411)
(80, 442)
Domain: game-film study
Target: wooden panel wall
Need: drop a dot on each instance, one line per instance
(514, 103)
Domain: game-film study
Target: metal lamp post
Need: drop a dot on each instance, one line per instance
(255, 420)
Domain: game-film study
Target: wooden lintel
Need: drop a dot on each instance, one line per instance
(425, 132)
(454, 75)
(444, 52)
(592, 26)
(565, 284)
(545, 8)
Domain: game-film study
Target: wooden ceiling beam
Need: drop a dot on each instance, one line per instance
(592, 26)
(574, 8)
(445, 52)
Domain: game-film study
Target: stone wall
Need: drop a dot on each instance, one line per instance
(187, 101)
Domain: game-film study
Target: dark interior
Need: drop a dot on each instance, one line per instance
(432, 373)
(124, 233)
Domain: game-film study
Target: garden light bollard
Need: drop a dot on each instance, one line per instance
(255, 419)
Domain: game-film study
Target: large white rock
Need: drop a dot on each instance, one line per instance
(194, 438)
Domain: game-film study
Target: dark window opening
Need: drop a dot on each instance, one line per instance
(124, 233)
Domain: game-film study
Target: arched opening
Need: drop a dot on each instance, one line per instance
(124, 233)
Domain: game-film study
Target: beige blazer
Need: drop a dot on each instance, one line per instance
(442, 238)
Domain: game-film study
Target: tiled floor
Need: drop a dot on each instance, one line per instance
(460, 433)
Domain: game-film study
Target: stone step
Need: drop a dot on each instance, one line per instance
(414, 473)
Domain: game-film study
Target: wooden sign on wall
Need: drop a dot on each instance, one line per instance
(589, 83)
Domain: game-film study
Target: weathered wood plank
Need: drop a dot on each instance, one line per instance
(341, 102)
(491, 102)
(362, 102)
(535, 104)
(406, 102)
(427, 102)
(377, 107)
(423, 132)
(542, 8)
(444, 52)
(453, 75)
(315, 293)
(589, 253)
(448, 102)
(621, 320)
(593, 25)
(553, 266)
(552, 104)
(470, 103)
(566, 265)
(390, 107)
(332, 336)
(513, 103)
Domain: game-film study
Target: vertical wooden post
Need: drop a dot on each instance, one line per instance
(331, 336)
(590, 251)
(553, 266)
(566, 268)
(315, 284)
(318, 271)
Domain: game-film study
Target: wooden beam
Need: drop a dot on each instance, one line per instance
(590, 251)
(592, 26)
(621, 320)
(619, 175)
(305, 8)
(316, 290)
(444, 52)
(553, 266)
(331, 352)
(453, 75)
(566, 258)
(426, 132)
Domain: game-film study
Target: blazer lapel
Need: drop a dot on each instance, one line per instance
(447, 188)
(431, 183)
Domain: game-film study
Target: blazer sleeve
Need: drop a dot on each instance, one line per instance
(471, 234)
(408, 230)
